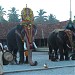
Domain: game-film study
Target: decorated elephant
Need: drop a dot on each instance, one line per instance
(24, 32)
(60, 40)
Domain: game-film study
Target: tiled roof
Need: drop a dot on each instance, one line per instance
(4, 29)
(42, 30)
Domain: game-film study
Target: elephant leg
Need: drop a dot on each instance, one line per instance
(26, 59)
(56, 54)
(15, 55)
(21, 54)
(61, 54)
(30, 58)
(73, 55)
(50, 52)
(66, 54)
(20, 45)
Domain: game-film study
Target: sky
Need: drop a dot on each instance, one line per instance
(59, 8)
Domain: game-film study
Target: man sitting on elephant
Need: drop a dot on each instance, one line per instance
(20, 33)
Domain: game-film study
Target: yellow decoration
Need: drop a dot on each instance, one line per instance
(27, 16)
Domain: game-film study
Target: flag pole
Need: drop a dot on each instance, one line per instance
(70, 11)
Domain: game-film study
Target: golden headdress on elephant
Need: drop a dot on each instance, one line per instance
(27, 16)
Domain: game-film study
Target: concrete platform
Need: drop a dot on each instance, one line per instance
(41, 58)
(42, 49)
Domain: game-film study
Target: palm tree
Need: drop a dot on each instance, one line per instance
(13, 16)
(40, 18)
(52, 19)
(2, 13)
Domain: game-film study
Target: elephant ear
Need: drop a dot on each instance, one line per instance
(69, 34)
(20, 32)
(20, 29)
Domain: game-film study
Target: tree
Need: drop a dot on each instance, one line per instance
(74, 20)
(2, 13)
(13, 16)
(52, 19)
(40, 18)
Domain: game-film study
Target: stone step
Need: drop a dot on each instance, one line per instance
(42, 49)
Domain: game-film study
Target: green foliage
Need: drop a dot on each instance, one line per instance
(2, 13)
(40, 18)
(52, 19)
(13, 16)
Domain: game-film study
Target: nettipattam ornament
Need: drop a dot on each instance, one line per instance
(27, 16)
(28, 22)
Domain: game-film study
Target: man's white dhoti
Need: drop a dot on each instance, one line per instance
(1, 63)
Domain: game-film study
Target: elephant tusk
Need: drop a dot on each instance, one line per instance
(68, 46)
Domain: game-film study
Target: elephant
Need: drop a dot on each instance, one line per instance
(60, 40)
(15, 42)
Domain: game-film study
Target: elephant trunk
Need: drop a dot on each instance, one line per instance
(30, 58)
(30, 53)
